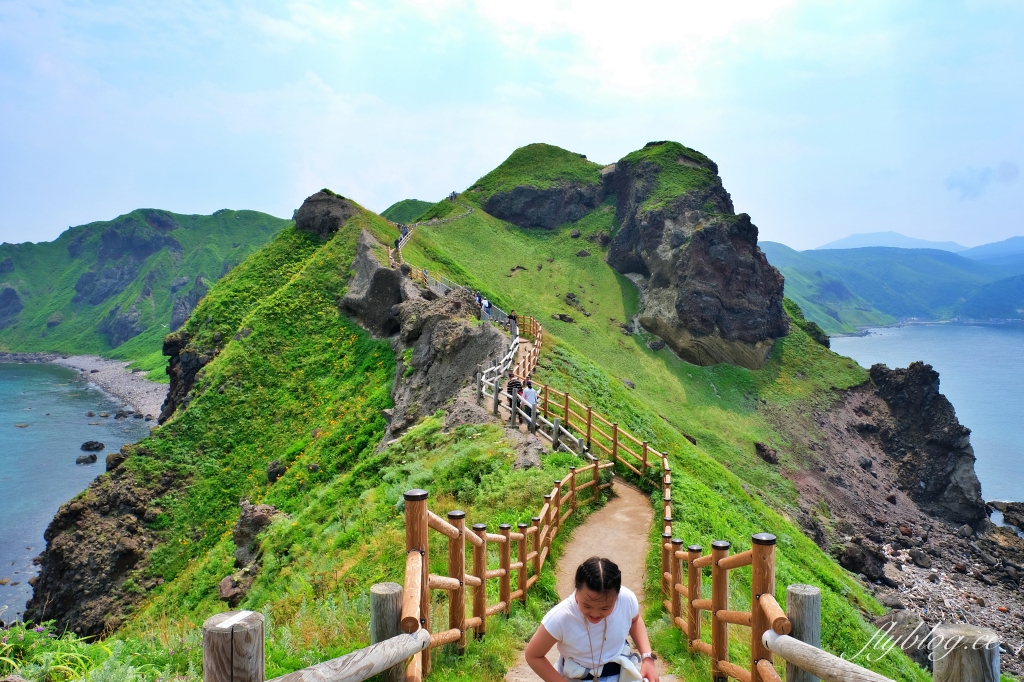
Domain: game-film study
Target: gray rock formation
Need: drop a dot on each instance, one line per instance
(10, 306)
(547, 208)
(324, 213)
(707, 288)
(119, 326)
(184, 304)
(183, 365)
(930, 448)
(374, 291)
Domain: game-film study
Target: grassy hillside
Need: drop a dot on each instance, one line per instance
(406, 210)
(717, 405)
(680, 170)
(540, 166)
(879, 285)
(1003, 299)
(110, 287)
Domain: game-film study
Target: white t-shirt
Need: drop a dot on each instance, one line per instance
(568, 625)
(530, 396)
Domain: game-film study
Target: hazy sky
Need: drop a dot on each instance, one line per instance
(825, 118)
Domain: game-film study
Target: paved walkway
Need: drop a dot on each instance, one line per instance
(618, 531)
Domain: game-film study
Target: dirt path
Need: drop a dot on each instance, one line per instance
(618, 531)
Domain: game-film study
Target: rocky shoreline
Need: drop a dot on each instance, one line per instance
(112, 376)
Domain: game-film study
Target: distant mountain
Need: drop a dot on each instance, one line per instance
(842, 289)
(895, 239)
(1009, 251)
(406, 210)
(117, 287)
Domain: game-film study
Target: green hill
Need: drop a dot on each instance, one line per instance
(842, 289)
(406, 210)
(292, 381)
(115, 288)
(540, 166)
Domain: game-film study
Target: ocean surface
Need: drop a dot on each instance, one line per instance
(37, 462)
(981, 371)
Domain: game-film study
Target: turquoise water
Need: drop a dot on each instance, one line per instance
(981, 371)
(37, 462)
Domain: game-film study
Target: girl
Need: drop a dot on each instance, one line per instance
(590, 628)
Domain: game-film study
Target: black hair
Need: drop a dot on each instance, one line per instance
(599, 575)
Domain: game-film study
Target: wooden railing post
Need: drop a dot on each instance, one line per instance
(762, 582)
(505, 562)
(643, 459)
(522, 572)
(546, 415)
(677, 578)
(233, 647)
(666, 567)
(565, 410)
(803, 606)
(554, 434)
(719, 602)
(457, 570)
(572, 488)
(556, 521)
(590, 422)
(694, 590)
(964, 653)
(385, 613)
(615, 441)
(480, 571)
(497, 393)
(416, 540)
(597, 482)
(479, 386)
(536, 545)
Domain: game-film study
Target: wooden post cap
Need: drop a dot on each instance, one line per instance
(456, 514)
(695, 548)
(523, 525)
(479, 526)
(667, 537)
(547, 498)
(668, 519)
(677, 541)
(572, 468)
(558, 481)
(535, 519)
(505, 526)
(416, 495)
(233, 645)
(721, 544)
(763, 539)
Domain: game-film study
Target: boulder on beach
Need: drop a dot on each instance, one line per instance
(92, 446)
(87, 459)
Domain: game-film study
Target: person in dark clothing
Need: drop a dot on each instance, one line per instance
(514, 385)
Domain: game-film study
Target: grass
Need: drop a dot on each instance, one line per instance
(538, 165)
(441, 209)
(406, 210)
(45, 275)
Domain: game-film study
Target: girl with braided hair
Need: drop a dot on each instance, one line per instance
(590, 627)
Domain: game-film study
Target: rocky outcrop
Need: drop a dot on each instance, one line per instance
(252, 520)
(374, 291)
(94, 287)
(447, 344)
(184, 304)
(707, 288)
(119, 326)
(324, 213)
(10, 306)
(548, 208)
(93, 543)
(930, 448)
(6, 265)
(182, 367)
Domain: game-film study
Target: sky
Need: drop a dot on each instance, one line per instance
(825, 118)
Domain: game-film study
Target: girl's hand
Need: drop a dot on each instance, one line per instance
(649, 670)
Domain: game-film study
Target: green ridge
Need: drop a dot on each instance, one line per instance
(406, 210)
(541, 166)
(680, 170)
(45, 275)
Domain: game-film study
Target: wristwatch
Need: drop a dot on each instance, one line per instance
(651, 655)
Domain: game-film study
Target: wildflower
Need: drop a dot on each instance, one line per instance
(39, 629)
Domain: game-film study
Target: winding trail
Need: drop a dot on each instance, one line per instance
(618, 531)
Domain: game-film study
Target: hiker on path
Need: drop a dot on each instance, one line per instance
(485, 309)
(590, 628)
(515, 385)
(530, 401)
(513, 323)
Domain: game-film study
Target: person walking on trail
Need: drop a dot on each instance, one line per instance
(516, 386)
(513, 323)
(589, 628)
(530, 401)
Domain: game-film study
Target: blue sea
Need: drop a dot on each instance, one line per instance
(37, 462)
(981, 371)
